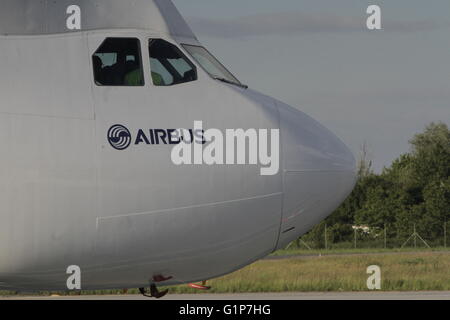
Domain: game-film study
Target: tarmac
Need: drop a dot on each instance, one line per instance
(378, 295)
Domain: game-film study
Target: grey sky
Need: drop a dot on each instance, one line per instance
(376, 86)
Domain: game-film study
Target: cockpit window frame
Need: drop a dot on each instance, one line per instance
(141, 61)
(182, 53)
(183, 45)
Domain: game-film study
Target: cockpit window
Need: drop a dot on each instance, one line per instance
(169, 65)
(211, 64)
(117, 62)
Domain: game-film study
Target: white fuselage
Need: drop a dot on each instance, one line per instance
(68, 198)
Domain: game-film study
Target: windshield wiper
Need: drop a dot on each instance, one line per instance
(231, 82)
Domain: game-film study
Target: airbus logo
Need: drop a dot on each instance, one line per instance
(198, 146)
(119, 137)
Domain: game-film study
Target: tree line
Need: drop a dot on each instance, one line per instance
(413, 192)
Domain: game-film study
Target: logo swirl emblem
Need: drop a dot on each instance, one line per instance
(119, 137)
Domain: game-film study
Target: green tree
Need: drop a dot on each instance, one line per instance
(437, 207)
(431, 152)
(414, 190)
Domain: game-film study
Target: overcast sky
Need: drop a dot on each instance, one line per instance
(381, 87)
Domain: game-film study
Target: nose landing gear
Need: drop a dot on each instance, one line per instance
(154, 292)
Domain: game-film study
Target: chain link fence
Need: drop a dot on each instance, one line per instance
(344, 236)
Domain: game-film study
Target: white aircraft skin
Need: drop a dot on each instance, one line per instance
(129, 217)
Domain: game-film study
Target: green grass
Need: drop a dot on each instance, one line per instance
(402, 272)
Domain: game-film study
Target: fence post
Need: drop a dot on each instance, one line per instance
(445, 234)
(415, 237)
(326, 241)
(355, 238)
(385, 237)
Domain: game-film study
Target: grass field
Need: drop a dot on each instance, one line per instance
(339, 271)
(399, 272)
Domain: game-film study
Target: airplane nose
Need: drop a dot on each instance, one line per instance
(319, 172)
